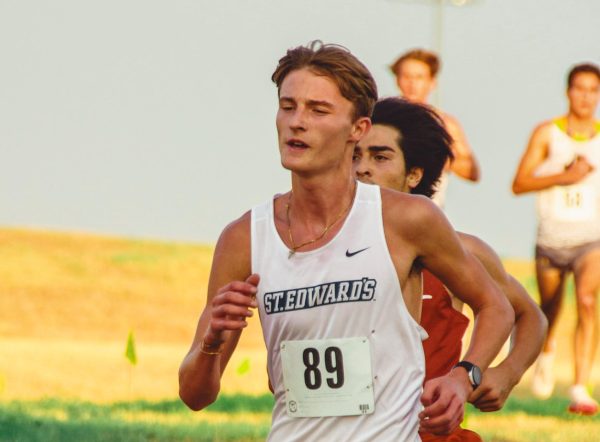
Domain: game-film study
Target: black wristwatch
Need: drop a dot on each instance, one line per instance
(473, 371)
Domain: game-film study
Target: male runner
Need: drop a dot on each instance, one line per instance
(406, 150)
(561, 164)
(416, 73)
(338, 292)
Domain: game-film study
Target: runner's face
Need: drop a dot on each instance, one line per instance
(415, 81)
(584, 94)
(314, 124)
(378, 159)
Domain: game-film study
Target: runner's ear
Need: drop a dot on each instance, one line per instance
(413, 178)
(359, 129)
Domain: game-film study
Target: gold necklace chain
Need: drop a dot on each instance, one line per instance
(295, 247)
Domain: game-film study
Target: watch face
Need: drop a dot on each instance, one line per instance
(476, 372)
(473, 371)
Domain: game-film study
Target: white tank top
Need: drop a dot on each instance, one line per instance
(341, 303)
(569, 216)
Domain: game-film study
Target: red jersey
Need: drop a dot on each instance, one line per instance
(458, 435)
(444, 325)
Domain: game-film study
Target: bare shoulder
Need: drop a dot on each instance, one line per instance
(455, 129)
(450, 121)
(410, 214)
(539, 141)
(542, 130)
(475, 245)
(485, 254)
(237, 230)
(233, 246)
(404, 205)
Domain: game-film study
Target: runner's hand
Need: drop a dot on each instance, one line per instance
(231, 306)
(577, 170)
(496, 385)
(444, 400)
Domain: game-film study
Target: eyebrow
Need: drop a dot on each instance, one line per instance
(311, 103)
(314, 103)
(376, 149)
(380, 149)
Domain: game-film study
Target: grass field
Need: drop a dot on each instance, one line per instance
(247, 418)
(236, 417)
(68, 302)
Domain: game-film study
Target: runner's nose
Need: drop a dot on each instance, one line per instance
(361, 168)
(297, 120)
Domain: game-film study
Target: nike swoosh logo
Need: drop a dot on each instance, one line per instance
(349, 254)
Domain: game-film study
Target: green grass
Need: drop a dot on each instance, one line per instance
(247, 418)
(531, 420)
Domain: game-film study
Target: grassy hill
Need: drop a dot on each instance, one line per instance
(68, 302)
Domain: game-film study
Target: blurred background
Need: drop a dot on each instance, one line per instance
(156, 119)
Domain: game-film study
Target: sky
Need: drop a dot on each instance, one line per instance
(156, 119)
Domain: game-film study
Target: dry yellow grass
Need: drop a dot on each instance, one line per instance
(519, 268)
(525, 427)
(68, 301)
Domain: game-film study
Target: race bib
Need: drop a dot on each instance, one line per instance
(574, 203)
(327, 377)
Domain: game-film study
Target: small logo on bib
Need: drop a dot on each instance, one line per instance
(293, 406)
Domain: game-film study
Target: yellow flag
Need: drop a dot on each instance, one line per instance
(130, 349)
(244, 367)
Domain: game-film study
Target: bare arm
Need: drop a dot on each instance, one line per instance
(465, 164)
(467, 279)
(527, 337)
(537, 150)
(526, 343)
(231, 291)
(438, 248)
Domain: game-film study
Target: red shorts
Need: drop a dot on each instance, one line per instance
(458, 435)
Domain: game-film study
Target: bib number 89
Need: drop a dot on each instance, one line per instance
(334, 364)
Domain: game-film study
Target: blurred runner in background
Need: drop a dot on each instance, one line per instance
(416, 72)
(561, 164)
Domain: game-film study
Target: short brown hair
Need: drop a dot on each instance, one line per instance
(353, 79)
(427, 57)
(580, 69)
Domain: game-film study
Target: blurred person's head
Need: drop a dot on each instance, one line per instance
(583, 89)
(416, 72)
